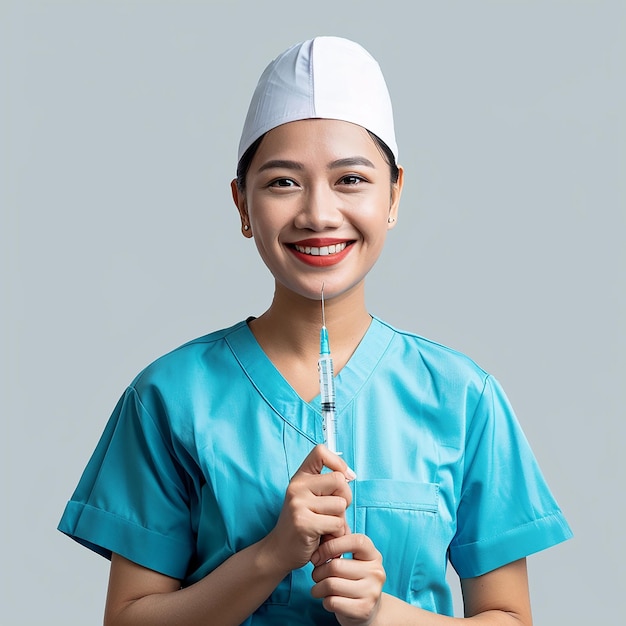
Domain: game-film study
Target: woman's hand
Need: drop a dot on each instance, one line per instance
(315, 506)
(351, 588)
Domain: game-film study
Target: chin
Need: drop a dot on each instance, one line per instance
(333, 287)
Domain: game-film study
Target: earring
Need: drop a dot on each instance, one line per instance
(246, 227)
(391, 220)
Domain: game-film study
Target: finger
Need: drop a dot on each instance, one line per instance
(326, 522)
(360, 546)
(325, 525)
(329, 505)
(346, 531)
(321, 457)
(341, 587)
(307, 487)
(347, 569)
(350, 588)
(330, 484)
(357, 610)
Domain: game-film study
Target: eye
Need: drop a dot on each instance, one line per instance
(282, 183)
(351, 179)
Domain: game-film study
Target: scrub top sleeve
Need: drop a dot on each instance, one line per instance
(132, 498)
(506, 511)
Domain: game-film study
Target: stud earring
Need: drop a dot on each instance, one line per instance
(391, 220)
(246, 227)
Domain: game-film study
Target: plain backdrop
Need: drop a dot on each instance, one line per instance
(119, 240)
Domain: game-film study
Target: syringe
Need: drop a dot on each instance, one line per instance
(327, 387)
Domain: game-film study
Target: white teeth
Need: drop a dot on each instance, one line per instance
(323, 250)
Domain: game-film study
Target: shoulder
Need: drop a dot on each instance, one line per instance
(440, 362)
(190, 362)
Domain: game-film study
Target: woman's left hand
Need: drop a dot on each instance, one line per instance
(351, 588)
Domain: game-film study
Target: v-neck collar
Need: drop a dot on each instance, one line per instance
(282, 397)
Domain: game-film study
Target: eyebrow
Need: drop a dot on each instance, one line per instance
(281, 164)
(351, 161)
(295, 165)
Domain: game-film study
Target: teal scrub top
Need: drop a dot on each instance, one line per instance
(195, 460)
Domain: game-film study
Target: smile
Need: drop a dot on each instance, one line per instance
(322, 250)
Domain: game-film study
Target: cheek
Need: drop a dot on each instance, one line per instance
(371, 215)
(265, 230)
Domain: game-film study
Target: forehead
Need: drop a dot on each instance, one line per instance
(313, 139)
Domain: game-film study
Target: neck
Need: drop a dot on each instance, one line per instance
(290, 328)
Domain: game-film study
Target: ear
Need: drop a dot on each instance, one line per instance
(394, 205)
(239, 198)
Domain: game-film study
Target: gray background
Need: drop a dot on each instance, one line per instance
(119, 126)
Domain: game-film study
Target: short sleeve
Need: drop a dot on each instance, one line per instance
(132, 498)
(506, 510)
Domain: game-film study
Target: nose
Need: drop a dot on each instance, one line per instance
(320, 210)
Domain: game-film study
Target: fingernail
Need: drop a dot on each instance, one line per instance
(315, 557)
(350, 473)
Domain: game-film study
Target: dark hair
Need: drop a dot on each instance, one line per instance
(385, 150)
(244, 163)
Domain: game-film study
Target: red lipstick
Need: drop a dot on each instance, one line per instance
(321, 252)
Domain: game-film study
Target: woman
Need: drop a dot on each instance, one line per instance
(209, 490)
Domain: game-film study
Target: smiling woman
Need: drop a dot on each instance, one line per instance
(337, 193)
(210, 489)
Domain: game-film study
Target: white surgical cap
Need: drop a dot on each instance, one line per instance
(325, 77)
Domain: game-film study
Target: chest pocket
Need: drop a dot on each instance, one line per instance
(402, 520)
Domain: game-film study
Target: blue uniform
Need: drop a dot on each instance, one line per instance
(195, 460)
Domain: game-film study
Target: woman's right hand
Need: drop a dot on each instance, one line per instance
(315, 505)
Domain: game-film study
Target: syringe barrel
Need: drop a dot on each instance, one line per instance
(327, 395)
(327, 382)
